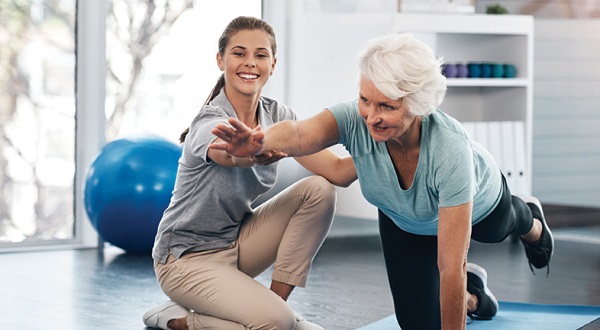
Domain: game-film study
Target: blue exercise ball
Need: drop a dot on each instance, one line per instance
(127, 188)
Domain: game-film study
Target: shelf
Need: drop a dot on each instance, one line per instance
(484, 82)
(460, 23)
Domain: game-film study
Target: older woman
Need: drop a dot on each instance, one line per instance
(434, 187)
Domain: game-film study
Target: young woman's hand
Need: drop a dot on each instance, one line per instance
(238, 139)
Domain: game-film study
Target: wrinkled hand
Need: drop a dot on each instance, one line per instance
(238, 139)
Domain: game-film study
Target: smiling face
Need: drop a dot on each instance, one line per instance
(386, 119)
(247, 62)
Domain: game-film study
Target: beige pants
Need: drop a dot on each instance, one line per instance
(218, 285)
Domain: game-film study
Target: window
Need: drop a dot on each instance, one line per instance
(170, 73)
(160, 65)
(37, 120)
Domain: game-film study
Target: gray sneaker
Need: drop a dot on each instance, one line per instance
(487, 305)
(303, 324)
(540, 252)
(159, 316)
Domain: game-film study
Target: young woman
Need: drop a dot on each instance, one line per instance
(211, 242)
(435, 188)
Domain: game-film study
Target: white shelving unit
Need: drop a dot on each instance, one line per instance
(321, 56)
(497, 111)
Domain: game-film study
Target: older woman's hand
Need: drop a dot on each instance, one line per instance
(269, 157)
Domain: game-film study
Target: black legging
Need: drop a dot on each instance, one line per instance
(411, 260)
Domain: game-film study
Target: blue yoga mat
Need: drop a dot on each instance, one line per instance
(516, 316)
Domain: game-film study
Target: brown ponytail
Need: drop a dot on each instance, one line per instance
(215, 91)
(183, 135)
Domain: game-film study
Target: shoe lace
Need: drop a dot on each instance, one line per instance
(545, 252)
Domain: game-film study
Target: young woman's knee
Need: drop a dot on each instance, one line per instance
(320, 188)
(276, 319)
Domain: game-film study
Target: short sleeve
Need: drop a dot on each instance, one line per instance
(345, 116)
(455, 174)
(200, 136)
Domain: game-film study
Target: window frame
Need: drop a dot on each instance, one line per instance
(90, 95)
(90, 75)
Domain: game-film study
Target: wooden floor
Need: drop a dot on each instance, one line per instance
(85, 289)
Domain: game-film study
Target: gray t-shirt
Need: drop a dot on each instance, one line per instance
(210, 201)
(452, 170)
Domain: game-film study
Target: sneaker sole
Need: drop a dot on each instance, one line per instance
(482, 274)
(536, 202)
(153, 312)
(156, 310)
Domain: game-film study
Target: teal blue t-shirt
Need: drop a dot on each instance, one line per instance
(452, 170)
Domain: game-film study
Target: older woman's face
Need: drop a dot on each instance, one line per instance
(386, 119)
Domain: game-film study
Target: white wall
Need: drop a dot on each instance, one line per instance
(566, 110)
(546, 8)
(566, 100)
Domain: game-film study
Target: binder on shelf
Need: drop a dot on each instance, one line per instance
(495, 144)
(505, 141)
(521, 175)
(508, 154)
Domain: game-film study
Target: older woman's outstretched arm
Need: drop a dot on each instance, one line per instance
(293, 138)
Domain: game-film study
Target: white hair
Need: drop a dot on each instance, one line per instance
(401, 66)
